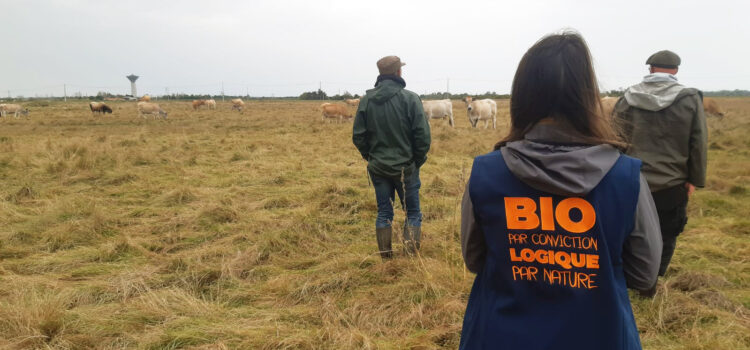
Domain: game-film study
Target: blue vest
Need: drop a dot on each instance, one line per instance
(553, 275)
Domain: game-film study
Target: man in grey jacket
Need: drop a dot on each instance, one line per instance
(665, 126)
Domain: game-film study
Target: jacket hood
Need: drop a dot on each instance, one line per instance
(552, 159)
(386, 86)
(656, 92)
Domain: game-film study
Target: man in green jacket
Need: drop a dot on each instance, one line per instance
(392, 134)
(665, 126)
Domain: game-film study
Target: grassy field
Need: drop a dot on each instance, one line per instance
(219, 230)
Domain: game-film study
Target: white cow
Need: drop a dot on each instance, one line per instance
(150, 108)
(211, 104)
(438, 109)
(485, 109)
(238, 104)
(17, 110)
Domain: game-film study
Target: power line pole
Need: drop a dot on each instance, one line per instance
(448, 86)
(65, 92)
(222, 91)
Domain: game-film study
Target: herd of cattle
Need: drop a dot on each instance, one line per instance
(476, 110)
(145, 107)
(479, 110)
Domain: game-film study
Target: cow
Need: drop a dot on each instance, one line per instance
(238, 104)
(352, 102)
(150, 108)
(211, 104)
(485, 109)
(438, 109)
(99, 107)
(335, 110)
(608, 105)
(198, 103)
(145, 98)
(711, 107)
(13, 108)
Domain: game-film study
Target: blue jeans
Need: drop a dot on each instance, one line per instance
(385, 196)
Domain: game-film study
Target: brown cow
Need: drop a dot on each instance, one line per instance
(711, 107)
(352, 102)
(145, 98)
(335, 110)
(99, 107)
(198, 103)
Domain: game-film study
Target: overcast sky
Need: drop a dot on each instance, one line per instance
(284, 48)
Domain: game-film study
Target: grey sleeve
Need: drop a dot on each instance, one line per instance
(642, 251)
(473, 246)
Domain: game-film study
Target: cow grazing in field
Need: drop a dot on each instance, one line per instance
(17, 110)
(335, 110)
(198, 103)
(438, 109)
(238, 104)
(211, 104)
(352, 102)
(99, 107)
(150, 108)
(145, 98)
(485, 109)
(711, 107)
(608, 105)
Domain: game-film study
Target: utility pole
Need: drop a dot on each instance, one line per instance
(9, 94)
(166, 92)
(448, 86)
(222, 91)
(65, 92)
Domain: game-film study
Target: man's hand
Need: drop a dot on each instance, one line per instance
(690, 188)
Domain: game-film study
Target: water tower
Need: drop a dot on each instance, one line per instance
(132, 79)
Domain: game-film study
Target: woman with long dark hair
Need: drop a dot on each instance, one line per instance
(556, 221)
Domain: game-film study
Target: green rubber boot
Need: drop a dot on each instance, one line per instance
(384, 242)
(412, 238)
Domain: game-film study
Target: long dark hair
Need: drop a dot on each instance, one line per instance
(556, 78)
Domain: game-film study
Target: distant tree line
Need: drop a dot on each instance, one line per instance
(727, 93)
(321, 95)
(461, 96)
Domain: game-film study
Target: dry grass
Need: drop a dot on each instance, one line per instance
(215, 230)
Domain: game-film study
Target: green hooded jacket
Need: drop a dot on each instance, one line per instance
(390, 130)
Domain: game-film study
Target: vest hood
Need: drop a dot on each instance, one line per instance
(552, 159)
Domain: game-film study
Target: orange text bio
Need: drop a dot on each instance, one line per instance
(521, 214)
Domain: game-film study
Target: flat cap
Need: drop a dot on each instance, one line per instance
(664, 59)
(389, 64)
